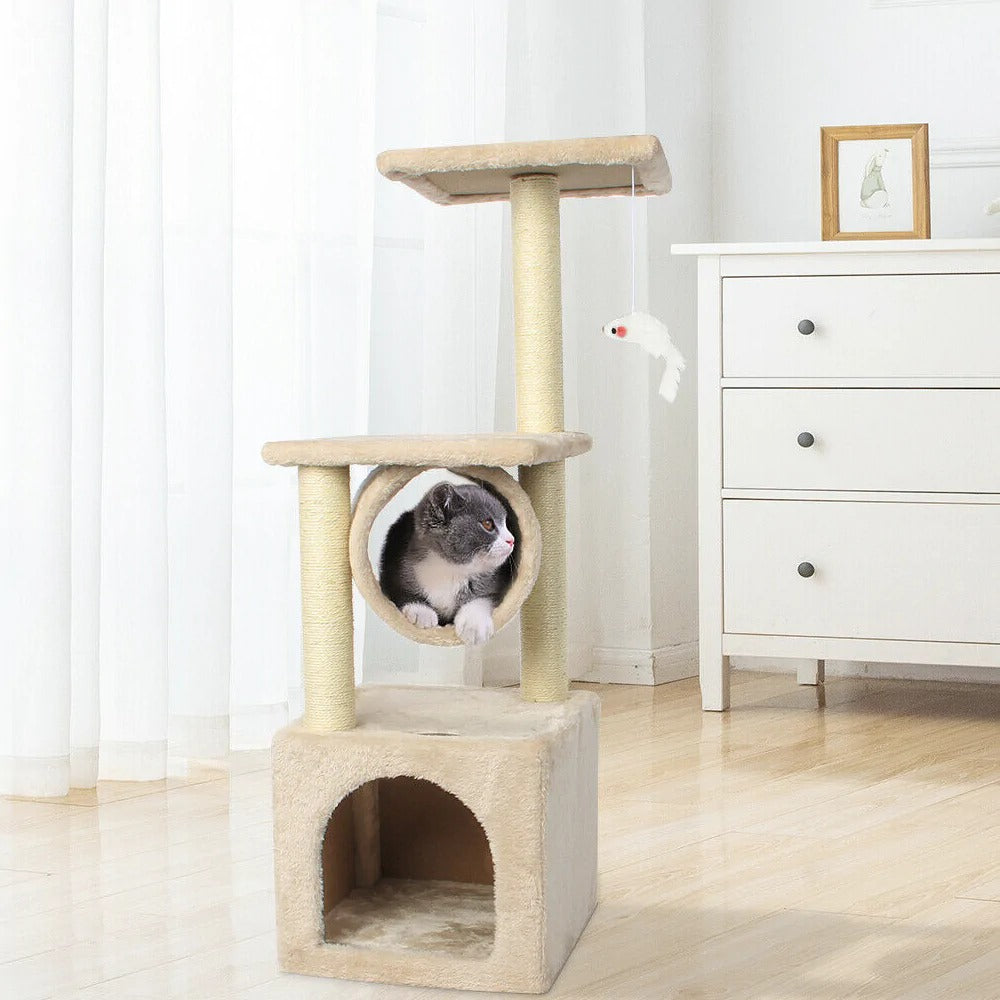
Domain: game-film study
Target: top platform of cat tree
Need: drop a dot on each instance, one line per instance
(587, 168)
(433, 451)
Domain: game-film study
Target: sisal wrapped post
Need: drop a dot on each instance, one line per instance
(534, 223)
(327, 614)
(534, 203)
(543, 614)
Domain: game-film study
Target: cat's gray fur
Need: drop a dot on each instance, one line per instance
(440, 564)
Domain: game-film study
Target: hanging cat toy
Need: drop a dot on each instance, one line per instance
(647, 331)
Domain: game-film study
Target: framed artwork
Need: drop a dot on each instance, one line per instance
(875, 182)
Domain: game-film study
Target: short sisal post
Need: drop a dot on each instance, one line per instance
(534, 202)
(327, 614)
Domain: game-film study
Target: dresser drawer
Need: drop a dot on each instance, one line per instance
(920, 571)
(917, 325)
(905, 440)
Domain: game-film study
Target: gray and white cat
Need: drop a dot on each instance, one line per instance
(449, 560)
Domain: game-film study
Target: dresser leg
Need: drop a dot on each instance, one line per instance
(810, 671)
(714, 677)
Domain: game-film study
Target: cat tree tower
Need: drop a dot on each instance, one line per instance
(448, 836)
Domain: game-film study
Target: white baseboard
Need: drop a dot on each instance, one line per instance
(132, 760)
(921, 3)
(606, 665)
(252, 727)
(37, 777)
(501, 669)
(198, 736)
(609, 665)
(885, 671)
(83, 767)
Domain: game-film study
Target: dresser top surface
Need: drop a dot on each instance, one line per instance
(837, 246)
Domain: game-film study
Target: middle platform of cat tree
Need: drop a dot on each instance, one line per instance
(450, 839)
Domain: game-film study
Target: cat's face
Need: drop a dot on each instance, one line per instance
(466, 524)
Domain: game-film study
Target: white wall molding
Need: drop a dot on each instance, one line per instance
(922, 3)
(132, 760)
(39, 777)
(253, 727)
(406, 10)
(83, 767)
(200, 737)
(608, 665)
(642, 666)
(981, 152)
(501, 668)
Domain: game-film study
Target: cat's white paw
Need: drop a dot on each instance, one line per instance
(474, 622)
(422, 615)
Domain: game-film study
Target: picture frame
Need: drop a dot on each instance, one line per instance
(875, 182)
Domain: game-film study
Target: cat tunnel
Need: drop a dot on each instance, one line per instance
(448, 836)
(382, 485)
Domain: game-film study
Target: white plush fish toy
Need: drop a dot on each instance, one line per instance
(652, 336)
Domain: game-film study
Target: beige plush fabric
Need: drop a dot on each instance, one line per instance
(587, 168)
(528, 773)
(443, 917)
(431, 451)
(380, 487)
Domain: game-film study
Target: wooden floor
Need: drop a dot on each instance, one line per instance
(788, 849)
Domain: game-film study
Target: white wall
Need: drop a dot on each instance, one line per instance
(435, 273)
(565, 68)
(678, 110)
(576, 68)
(783, 68)
(736, 90)
(631, 517)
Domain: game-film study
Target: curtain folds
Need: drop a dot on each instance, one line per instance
(198, 256)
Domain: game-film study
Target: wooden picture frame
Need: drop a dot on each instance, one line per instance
(859, 202)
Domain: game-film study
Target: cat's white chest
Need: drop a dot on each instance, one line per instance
(441, 581)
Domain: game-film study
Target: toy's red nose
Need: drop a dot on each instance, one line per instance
(620, 330)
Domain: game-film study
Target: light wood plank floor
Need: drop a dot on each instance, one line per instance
(788, 849)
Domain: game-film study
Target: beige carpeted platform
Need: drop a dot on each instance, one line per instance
(587, 168)
(433, 916)
(430, 451)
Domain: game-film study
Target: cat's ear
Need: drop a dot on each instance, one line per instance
(445, 499)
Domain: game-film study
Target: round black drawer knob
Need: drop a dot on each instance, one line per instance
(806, 569)
(806, 440)
(806, 326)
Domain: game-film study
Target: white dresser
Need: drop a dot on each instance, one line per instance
(849, 454)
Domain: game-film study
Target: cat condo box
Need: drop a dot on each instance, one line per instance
(478, 874)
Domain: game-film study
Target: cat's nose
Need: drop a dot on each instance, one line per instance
(510, 542)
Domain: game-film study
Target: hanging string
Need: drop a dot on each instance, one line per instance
(633, 240)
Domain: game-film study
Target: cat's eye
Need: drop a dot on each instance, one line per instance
(487, 524)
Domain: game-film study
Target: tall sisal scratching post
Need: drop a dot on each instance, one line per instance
(534, 206)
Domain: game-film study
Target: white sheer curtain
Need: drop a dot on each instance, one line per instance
(198, 256)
